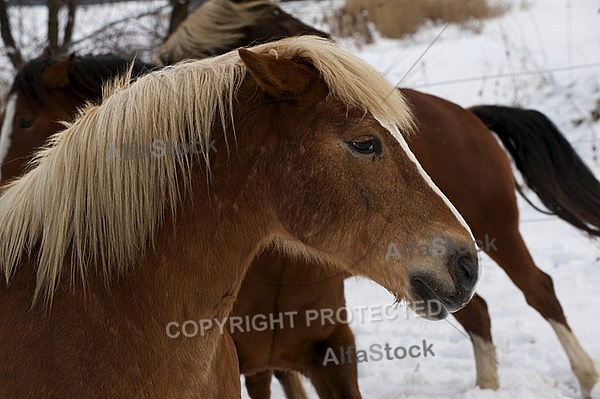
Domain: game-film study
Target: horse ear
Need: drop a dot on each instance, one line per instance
(281, 78)
(56, 76)
(46, 52)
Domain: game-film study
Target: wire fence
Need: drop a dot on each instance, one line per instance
(508, 75)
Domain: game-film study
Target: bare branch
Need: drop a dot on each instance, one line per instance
(106, 27)
(178, 14)
(68, 34)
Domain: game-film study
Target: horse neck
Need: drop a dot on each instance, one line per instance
(192, 271)
(200, 260)
(201, 254)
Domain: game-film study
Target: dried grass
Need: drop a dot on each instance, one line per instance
(397, 18)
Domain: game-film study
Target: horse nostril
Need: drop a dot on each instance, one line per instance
(468, 267)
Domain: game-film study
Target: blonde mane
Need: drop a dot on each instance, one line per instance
(212, 28)
(78, 209)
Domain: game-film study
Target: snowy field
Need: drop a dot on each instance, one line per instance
(542, 54)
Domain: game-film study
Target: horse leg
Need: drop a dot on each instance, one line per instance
(336, 381)
(258, 385)
(476, 321)
(291, 384)
(514, 257)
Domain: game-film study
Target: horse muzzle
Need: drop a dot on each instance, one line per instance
(434, 298)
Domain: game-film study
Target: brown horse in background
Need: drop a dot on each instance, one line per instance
(79, 221)
(48, 90)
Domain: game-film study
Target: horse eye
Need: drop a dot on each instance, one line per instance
(276, 12)
(25, 123)
(366, 146)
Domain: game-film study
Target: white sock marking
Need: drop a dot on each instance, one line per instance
(486, 363)
(581, 363)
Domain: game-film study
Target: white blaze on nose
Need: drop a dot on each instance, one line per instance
(6, 132)
(398, 136)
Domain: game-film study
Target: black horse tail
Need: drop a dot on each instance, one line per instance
(548, 163)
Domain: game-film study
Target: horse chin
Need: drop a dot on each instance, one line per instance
(432, 302)
(439, 314)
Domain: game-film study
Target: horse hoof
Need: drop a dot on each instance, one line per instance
(588, 383)
(488, 383)
(593, 394)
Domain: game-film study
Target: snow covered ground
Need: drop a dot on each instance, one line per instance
(543, 54)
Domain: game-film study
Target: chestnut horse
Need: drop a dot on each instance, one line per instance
(112, 250)
(258, 297)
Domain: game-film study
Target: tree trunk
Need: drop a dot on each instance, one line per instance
(68, 36)
(53, 9)
(13, 52)
(178, 14)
